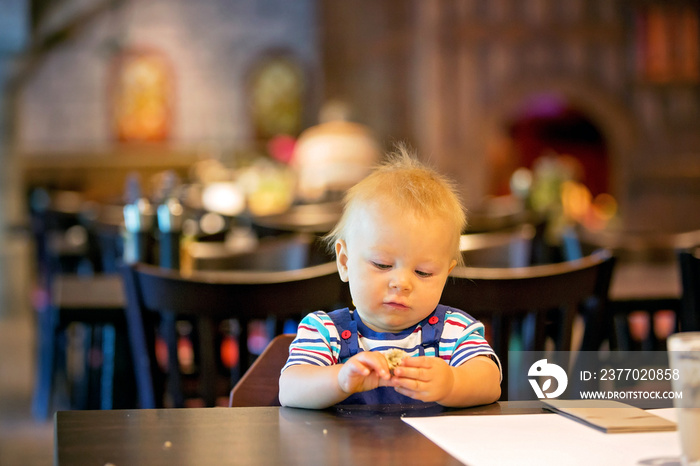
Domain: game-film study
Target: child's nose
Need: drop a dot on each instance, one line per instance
(400, 280)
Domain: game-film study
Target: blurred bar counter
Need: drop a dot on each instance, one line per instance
(101, 175)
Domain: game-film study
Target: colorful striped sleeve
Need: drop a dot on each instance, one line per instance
(463, 339)
(317, 342)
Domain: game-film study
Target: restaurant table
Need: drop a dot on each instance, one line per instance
(647, 289)
(647, 273)
(309, 218)
(645, 283)
(263, 435)
(88, 296)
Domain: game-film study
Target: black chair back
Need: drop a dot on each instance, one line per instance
(504, 248)
(504, 298)
(208, 298)
(689, 316)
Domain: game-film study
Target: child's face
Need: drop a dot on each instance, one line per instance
(396, 264)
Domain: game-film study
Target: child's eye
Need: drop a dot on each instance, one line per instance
(381, 266)
(420, 273)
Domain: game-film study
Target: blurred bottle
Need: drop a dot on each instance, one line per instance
(138, 222)
(170, 215)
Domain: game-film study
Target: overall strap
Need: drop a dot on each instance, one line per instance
(431, 329)
(347, 330)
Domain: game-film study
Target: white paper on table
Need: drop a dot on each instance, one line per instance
(543, 439)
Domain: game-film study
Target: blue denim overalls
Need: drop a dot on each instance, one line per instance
(346, 323)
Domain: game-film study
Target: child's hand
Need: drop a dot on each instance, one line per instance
(423, 378)
(366, 370)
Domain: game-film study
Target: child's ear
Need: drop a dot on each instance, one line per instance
(452, 266)
(341, 259)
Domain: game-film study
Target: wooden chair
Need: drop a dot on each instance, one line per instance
(505, 248)
(76, 289)
(689, 316)
(504, 297)
(210, 298)
(259, 386)
(97, 303)
(645, 297)
(289, 251)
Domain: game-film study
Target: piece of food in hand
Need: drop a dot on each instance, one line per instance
(394, 357)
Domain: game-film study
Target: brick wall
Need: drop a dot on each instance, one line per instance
(211, 44)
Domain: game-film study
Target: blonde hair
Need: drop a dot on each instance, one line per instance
(405, 183)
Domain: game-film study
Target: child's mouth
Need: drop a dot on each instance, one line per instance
(396, 305)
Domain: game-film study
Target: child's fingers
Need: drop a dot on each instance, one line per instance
(413, 373)
(357, 367)
(373, 362)
(407, 383)
(418, 361)
(419, 368)
(377, 362)
(414, 393)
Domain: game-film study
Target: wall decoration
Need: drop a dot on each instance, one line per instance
(141, 96)
(277, 97)
(668, 43)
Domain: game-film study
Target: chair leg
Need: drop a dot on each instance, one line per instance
(596, 328)
(244, 354)
(168, 329)
(82, 339)
(93, 364)
(207, 368)
(140, 345)
(567, 316)
(124, 394)
(46, 341)
(109, 338)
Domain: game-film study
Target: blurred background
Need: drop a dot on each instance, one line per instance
(582, 112)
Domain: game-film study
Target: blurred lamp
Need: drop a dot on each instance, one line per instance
(521, 182)
(332, 157)
(225, 198)
(211, 223)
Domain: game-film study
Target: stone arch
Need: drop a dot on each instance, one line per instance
(615, 122)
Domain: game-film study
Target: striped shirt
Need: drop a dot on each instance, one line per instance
(318, 340)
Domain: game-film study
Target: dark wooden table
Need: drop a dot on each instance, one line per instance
(88, 297)
(310, 218)
(265, 435)
(646, 281)
(647, 290)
